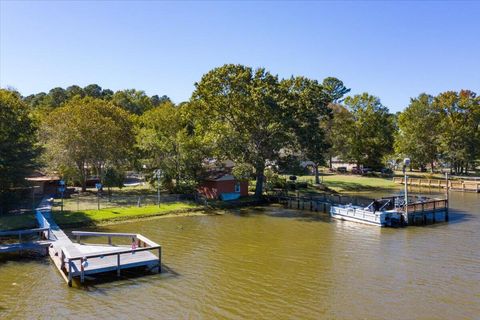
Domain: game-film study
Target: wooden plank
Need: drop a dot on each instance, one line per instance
(24, 231)
(14, 247)
(102, 234)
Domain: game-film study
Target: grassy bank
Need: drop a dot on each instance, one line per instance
(19, 221)
(350, 183)
(108, 215)
(96, 217)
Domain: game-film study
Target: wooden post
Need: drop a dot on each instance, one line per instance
(423, 214)
(110, 240)
(78, 239)
(118, 265)
(69, 273)
(446, 198)
(82, 271)
(446, 210)
(160, 260)
(434, 209)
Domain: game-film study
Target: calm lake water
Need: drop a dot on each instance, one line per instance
(273, 264)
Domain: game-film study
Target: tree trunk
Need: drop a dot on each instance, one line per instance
(330, 163)
(432, 167)
(260, 171)
(317, 178)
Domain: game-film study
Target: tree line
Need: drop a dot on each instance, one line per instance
(239, 113)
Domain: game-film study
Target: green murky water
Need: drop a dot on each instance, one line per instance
(273, 264)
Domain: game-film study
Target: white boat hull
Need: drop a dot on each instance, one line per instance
(361, 215)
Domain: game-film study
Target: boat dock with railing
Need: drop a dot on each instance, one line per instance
(464, 185)
(385, 212)
(76, 260)
(393, 212)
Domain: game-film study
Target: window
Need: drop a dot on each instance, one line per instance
(237, 187)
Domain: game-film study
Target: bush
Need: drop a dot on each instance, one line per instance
(184, 187)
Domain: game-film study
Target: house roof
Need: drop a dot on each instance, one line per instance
(219, 176)
(38, 176)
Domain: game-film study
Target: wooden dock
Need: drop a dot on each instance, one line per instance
(78, 259)
(40, 242)
(420, 210)
(454, 185)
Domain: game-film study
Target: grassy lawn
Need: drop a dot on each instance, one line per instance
(124, 197)
(351, 183)
(18, 221)
(117, 214)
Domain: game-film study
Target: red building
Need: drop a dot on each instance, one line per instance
(216, 184)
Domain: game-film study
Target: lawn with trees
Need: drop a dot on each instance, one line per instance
(251, 116)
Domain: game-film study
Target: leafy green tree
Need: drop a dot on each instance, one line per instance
(459, 133)
(132, 100)
(113, 177)
(156, 100)
(338, 129)
(242, 171)
(417, 136)
(308, 108)
(241, 112)
(57, 96)
(334, 89)
(73, 91)
(85, 136)
(370, 134)
(93, 90)
(18, 148)
(167, 141)
(107, 94)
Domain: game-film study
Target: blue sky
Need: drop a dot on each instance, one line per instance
(394, 50)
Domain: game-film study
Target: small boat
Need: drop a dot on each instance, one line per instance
(381, 213)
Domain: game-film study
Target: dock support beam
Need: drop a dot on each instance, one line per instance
(118, 265)
(160, 260)
(69, 273)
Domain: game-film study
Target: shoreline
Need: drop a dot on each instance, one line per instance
(193, 212)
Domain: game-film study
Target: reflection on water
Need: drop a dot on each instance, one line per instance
(274, 263)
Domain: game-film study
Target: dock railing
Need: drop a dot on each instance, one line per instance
(43, 223)
(460, 185)
(141, 244)
(40, 231)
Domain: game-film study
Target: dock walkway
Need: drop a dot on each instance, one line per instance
(454, 185)
(77, 259)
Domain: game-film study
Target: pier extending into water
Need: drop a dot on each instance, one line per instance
(454, 185)
(419, 211)
(75, 260)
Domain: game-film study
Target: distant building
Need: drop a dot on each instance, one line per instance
(336, 163)
(219, 182)
(44, 184)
